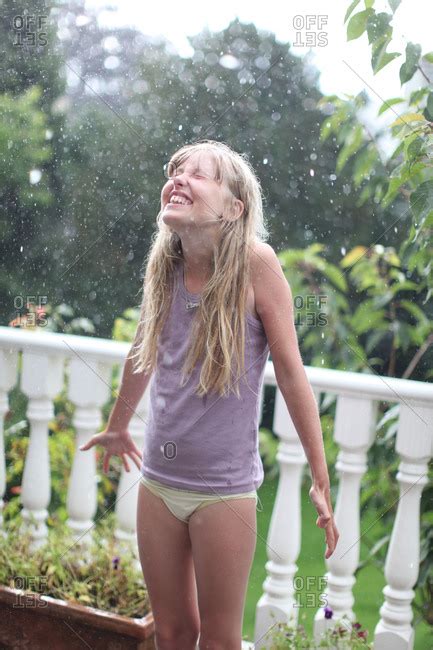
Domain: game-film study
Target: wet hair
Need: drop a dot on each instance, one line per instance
(218, 331)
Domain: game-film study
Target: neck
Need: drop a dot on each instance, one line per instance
(198, 267)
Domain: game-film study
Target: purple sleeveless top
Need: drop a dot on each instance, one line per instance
(203, 444)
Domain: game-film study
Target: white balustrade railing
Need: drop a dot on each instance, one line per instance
(88, 363)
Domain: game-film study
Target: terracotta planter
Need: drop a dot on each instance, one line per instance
(29, 620)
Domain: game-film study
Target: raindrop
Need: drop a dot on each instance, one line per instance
(82, 20)
(111, 62)
(230, 62)
(35, 176)
(311, 172)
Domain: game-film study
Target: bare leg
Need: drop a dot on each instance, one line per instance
(223, 537)
(166, 560)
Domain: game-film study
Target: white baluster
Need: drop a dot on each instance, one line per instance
(42, 380)
(8, 379)
(414, 444)
(355, 421)
(278, 604)
(89, 390)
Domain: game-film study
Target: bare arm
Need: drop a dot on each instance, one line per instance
(131, 391)
(115, 438)
(132, 386)
(274, 305)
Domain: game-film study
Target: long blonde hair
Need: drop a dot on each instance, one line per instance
(218, 330)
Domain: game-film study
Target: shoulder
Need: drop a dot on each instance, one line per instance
(274, 306)
(269, 282)
(265, 264)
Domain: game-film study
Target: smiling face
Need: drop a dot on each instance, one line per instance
(193, 195)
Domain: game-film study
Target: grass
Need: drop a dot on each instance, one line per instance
(367, 590)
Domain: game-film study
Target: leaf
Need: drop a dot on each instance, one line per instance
(409, 67)
(407, 285)
(407, 171)
(358, 24)
(394, 5)
(408, 117)
(364, 164)
(350, 9)
(429, 107)
(390, 414)
(378, 27)
(367, 317)
(415, 311)
(421, 201)
(373, 340)
(388, 103)
(417, 95)
(352, 144)
(353, 256)
(335, 276)
(397, 151)
(414, 148)
(379, 62)
(428, 57)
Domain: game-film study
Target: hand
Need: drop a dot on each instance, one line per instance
(116, 443)
(321, 497)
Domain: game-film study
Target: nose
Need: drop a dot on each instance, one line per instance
(177, 177)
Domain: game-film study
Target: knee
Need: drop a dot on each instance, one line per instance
(167, 638)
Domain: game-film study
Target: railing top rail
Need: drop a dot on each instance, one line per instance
(341, 382)
(364, 385)
(67, 345)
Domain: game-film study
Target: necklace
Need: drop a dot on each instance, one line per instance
(189, 303)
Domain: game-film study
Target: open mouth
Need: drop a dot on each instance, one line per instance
(179, 199)
(176, 201)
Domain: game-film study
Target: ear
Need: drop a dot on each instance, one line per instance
(238, 207)
(235, 209)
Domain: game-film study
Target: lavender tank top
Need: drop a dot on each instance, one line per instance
(203, 444)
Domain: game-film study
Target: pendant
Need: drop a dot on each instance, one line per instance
(190, 305)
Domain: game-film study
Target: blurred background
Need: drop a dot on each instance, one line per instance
(92, 107)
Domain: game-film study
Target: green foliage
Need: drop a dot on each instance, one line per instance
(23, 147)
(97, 576)
(108, 149)
(125, 326)
(408, 173)
(379, 33)
(382, 329)
(343, 635)
(389, 283)
(61, 445)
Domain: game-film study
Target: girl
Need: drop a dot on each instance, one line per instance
(215, 303)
